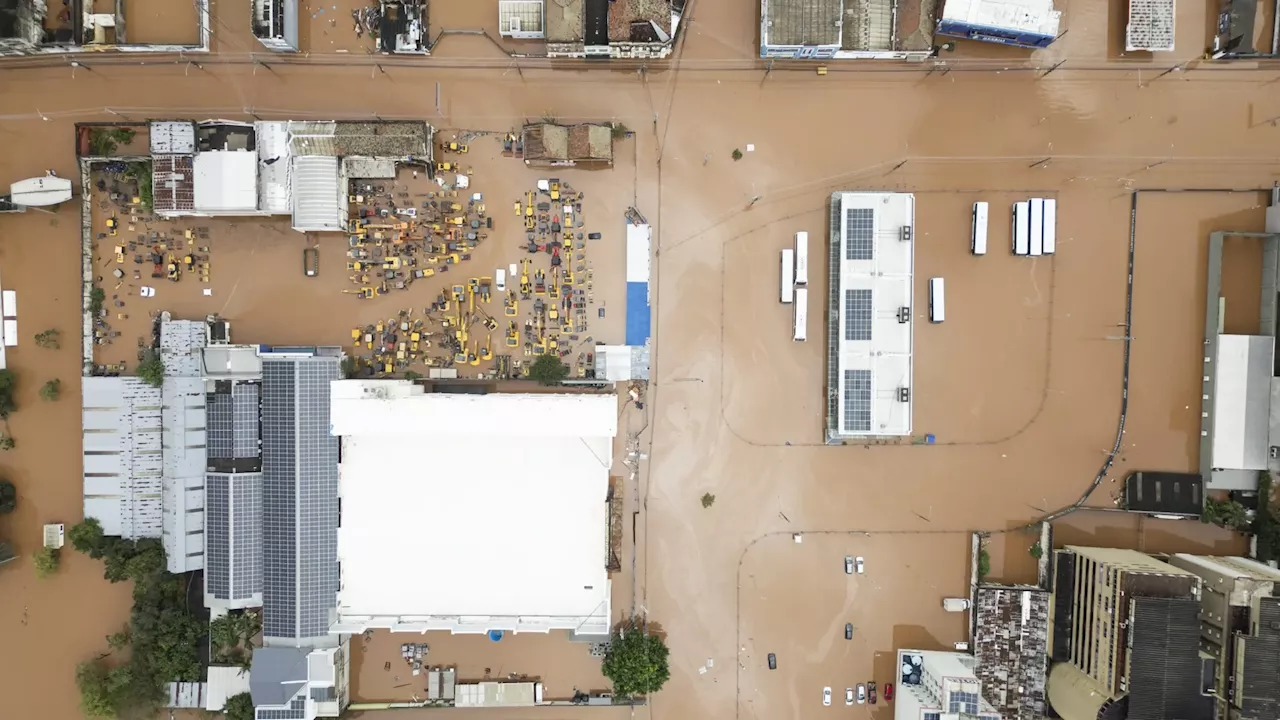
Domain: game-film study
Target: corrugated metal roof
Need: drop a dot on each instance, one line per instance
(173, 183)
(317, 189)
(1242, 402)
(173, 138)
(123, 468)
(274, 159)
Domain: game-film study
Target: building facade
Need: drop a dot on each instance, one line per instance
(933, 685)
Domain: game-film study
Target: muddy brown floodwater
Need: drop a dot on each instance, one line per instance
(1021, 385)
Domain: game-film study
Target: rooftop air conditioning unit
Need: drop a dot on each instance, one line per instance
(1275, 452)
(904, 314)
(906, 233)
(904, 394)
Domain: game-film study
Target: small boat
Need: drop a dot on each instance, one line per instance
(40, 191)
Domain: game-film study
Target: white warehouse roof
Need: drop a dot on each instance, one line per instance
(472, 512)
(226, 181)
(1242, 402)
(871, 269)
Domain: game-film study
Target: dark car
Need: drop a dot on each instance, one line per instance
(773, 661)
(311, 262)
(888, 692)
(871, 693)
(848, 631)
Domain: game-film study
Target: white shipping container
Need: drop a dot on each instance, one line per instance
(937, 300)
(978, 233)
(1021, 229)
(801, 317)
(1050, 226)
(1037, 227)
(802, 258)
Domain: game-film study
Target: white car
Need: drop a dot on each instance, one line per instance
(826, 696)
(862, 693)
(858, 561)
(848, 696)
(848, 564)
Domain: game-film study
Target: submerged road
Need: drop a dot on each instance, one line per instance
(1090, 135)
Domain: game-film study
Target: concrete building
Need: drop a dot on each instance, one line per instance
(552, 145)
(933, 685)
(1010, 644)
(275, 24)
(301, 169)
(1240, 406)
(1021, 23)
(300, 684)
(522, 19)
(511, 490)
(1240, 630)
(869, 315)
(33, 27)
(606, 29)
(1125, 638)
(1164, 494)
(144, 450)
(846, 29)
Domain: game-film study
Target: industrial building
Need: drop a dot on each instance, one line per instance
(301, 169)
(1021, 23)
(1010, 645)
(37, 27)
(1240, 406)
(1164, 494)
(1126, 639)
(869, 315)
(846, 29)
(509, 491)
(934, 685)
(1240, 630)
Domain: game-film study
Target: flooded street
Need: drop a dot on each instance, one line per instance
(1022, 386)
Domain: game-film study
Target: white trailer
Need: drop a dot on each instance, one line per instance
(1050, 226)
(1021, 228)
(801, 316)
(978, 232)
(1037, 227)
(788, 276)
(802, 258)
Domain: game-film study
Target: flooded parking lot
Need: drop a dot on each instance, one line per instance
(1023, 379)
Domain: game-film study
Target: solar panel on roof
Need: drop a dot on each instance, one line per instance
(857, 314)
(217, 553)
(857, 400)
(859, 239)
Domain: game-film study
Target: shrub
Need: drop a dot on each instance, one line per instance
(51, 390)
(46, 561)
(548, 370)
(737, 154)
(239, 707)
(97, 296)
(8, 386)
(637, 662)
(8, 497)
(51, 339)
(151, 371)
(708, 500)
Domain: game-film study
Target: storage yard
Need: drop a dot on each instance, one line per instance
(1020, 386)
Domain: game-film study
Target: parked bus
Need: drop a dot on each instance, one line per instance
(1037, 227)
(801, 314)
(802, 258)
(1021, 228)
(978, 241)
(1050, 226)
(788, 276)
(937, 300)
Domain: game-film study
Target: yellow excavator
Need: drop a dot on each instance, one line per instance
(473, 358)
(513, 337)
(510, 305)
(486, 350)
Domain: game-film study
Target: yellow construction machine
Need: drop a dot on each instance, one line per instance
(473, 357)
(486, 350)
(510, 305)
(513, 337)
(456, 147)
(445, 167)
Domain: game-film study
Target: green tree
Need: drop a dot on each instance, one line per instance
(97, 297)
(239, 707)
(51, 390)
(737, 154)
(984, 564)
(46, 561)
(548, 370)
(51, 339)
(87, 537)
(7, 442)
(708, 500)
(8, 497)
(1036, 551)
(152, 370)
(411, 375)
(8, 386)
(637, 663)
(94, 680)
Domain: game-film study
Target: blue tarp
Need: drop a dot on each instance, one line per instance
(637, 313)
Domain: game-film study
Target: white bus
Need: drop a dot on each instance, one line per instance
(802, 258)
(1037, 227)
(801, 314)
(788, 276)
(937, 300)
(1050, 226)
(978, 241)
(1021, 228)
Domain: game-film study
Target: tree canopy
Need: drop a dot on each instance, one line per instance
(152, 370)
(548, 370)
(86, 537)
(8, 497)
(239, 707)
(8, 386)
(637, 662)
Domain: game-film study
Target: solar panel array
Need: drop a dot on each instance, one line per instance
(279, 500)
(246, 536)
(217, 557)
(857, 315)
(233, 422)
(300, 497)
(857, 400)
(297, 710)
(859, 236)
(963, 702)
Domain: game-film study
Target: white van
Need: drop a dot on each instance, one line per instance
(500, 279)
(937, 300)
(788, 279)
(978, 240)
(801, 316)
(802, 258)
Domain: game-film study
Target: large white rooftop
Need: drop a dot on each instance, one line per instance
(871, 267)
(226, 181)
(472, 512)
